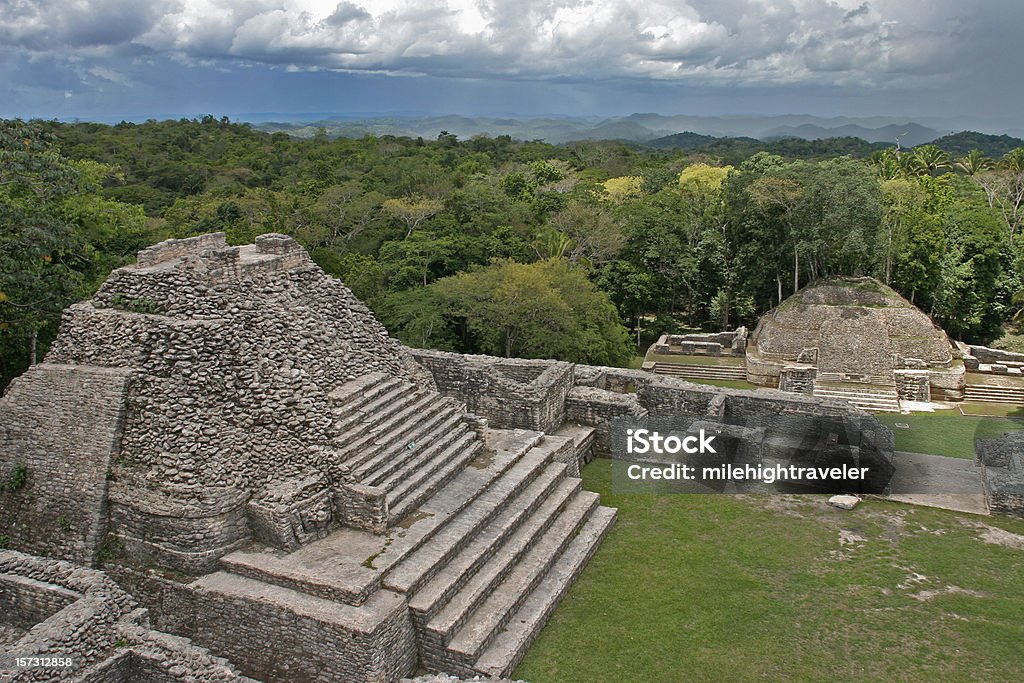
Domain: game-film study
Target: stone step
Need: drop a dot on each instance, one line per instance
(375, 408)
(425, 454)
(551, 488)
(344, 404)
(855, 395)
(465, 491)
(442, 422)
(349, 564)
(375, 416)
(421, 565)
(872, 397)
(510, 645)
(494, 612)
(701, 371)
(364, 439)
(860, 400)
(426, 480)
(355, 389)
(543, 534)
(994, 394)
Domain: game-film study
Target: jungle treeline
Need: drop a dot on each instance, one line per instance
(582, 251)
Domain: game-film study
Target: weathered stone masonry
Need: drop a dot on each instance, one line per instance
(235, 438)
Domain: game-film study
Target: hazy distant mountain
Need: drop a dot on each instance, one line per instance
(909, 134)
(642, 128)
(961, 143)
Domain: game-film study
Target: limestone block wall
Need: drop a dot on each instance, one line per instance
(598, 407)
(913, 385)
(70, 611)
(986, 355)
(1002, 462)
(947, 385)
(509, 392)
(797, 380)
(60, 426)
(25, 602)
(182, 527)
(172, 249)
(85, 628)
(313, 640)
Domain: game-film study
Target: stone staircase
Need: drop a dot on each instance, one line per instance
(874, 397)
(482, 562)
(988, 393)
(407, 440)
(736, 372)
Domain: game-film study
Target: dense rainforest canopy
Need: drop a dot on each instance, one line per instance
(581, 251)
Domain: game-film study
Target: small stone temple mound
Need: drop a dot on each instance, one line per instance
(237, 441)
(854, 338)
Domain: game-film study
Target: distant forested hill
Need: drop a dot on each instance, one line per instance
(961, 143)
(735, 149)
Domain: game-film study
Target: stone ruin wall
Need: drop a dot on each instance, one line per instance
(510, 393)
(372, 643)
(62, 609)
(1002, 461)
(60, 426)
(595, 395)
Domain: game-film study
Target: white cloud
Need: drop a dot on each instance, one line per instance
(867, 43)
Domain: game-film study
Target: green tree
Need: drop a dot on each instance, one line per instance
(547, 309)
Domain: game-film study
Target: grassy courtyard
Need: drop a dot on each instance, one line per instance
(946, 433)
(730, 588)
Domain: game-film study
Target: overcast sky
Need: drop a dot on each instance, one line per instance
(108, 59)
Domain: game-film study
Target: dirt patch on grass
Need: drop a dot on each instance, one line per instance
(997, 536)
(926, 595)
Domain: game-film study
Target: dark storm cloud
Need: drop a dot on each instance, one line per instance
(883, 48)
(59, 26)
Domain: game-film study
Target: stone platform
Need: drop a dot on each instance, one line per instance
(481, 564)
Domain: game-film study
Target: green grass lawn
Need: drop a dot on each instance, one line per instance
(693, 587)
(727, 383)
(727, 361)
(946, 433)
(994, 409)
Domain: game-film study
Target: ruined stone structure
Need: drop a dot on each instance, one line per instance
(857, 339)
(846, 338)
(1002, 461)
(235, 440)
(59, 609)
(238, 442)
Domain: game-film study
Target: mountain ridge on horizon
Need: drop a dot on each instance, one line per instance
(638, 127)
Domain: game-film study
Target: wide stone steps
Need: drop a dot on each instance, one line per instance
(351, 398)
(701, 371)
(550, 493)
(510, 644)
(397, 449)
(491, 550)
(406, 440)
(367, 423)
(393, 396)
(869, 397)
(977, 393)
(423, 563)
(475, 614)
(420, 483)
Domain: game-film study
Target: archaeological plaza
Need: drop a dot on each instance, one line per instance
(225, 469)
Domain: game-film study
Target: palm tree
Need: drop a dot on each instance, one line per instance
(974, 162)
(928, 159)
(1013, 161)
